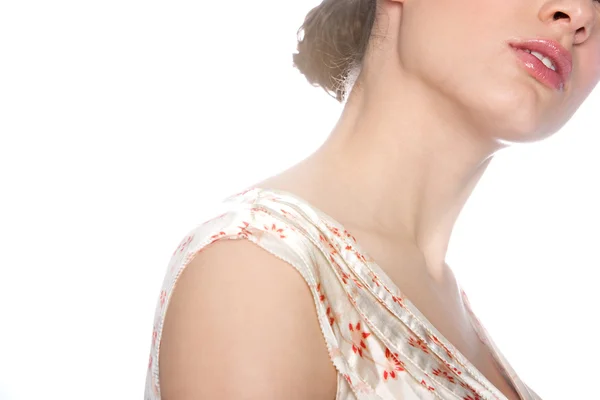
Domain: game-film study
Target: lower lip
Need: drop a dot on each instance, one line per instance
(539, 71)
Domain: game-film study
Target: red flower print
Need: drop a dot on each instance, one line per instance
(287, 214)
(418, 343)
(276, 230)
(332, 248)
(360, 256)
(345, 277)
(374, 278)
(150, 362)
(347, 378)
(188, 241)
(343, 274)
(398, 300)
(154, 337)
(357, 283)
(437, 341)
(430, 388)
(321, 295)
(347, 234)
(362, 387)
(443, 373)
(335, 231)
(354, 291)
(393, 365)
(163, 297)
(351, 299)
(358, 336)
(451, 368)
(335, 352)
(183, 244)
(257, 210)
(242, 192)
(468, 387)
(271, 197)
(331, 316)
(218, 235)
(244, 229)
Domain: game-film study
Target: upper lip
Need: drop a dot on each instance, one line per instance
(560, 57)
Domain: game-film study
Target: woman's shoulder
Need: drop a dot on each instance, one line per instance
(237, 313)
(240, 319)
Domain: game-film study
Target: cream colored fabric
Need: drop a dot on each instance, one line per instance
(380, 344)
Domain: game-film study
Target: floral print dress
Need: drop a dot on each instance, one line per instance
(381, 345)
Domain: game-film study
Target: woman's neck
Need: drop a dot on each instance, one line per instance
(400, 166)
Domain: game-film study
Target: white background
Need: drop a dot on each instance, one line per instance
(122, 122)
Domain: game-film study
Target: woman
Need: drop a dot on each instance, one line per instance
(432, 90)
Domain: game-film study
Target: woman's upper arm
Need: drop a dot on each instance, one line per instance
(242, 324)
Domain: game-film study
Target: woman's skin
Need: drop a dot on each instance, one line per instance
(441, 91)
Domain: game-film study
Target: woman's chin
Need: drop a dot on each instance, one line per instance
(516, 116)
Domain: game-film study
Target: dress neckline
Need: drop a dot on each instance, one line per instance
(484, 336)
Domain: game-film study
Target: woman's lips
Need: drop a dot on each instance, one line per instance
(552, 53)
